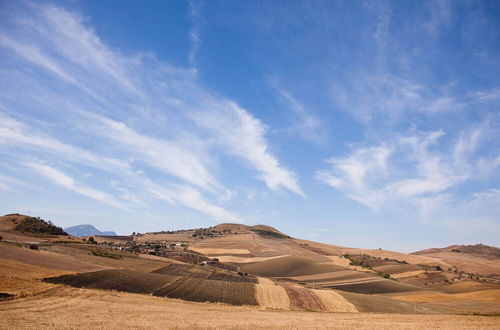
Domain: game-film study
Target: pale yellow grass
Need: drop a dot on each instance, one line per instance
(22, 279)
(408, 274)
(266, 281)
(339, 261)
(272, 296)
(484, 296)
(244, 260)
(334, 302)
(332, 275)
(71, 308)
(214, 251)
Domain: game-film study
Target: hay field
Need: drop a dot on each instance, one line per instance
(272, 297)
(47, 259)
(215, 251)
(334, 302)
(244, 260)
(484, 296)
(71, 308)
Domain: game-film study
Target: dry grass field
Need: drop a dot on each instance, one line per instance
(72, 308)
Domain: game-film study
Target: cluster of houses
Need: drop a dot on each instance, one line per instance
(158, 248)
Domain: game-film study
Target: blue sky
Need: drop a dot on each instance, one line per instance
(357, 123)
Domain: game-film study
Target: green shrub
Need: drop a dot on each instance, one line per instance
(101, 253)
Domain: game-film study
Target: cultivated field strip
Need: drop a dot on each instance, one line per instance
(198, 289)
(272, 296)
(334, 302)
(303, 299)
(204, 272)
(118, 280)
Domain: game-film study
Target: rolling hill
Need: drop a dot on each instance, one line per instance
(242, 265)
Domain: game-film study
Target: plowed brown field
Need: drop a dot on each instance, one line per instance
(303, 299)
(197, 289)
(116, 279)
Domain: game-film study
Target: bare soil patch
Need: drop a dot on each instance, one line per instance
(375, 287)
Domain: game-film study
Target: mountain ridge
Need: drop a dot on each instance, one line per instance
(87, 230)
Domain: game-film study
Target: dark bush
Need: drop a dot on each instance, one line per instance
(39, 226)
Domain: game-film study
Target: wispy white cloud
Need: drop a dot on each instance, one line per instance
(307, 126)
(186, 196)
(153, 122)
(62, 179)
(413, 171)
(17, 136)
(243, 136)
(388, 97)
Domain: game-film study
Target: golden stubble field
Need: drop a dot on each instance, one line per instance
(71, 308)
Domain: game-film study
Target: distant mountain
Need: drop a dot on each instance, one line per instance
(87, 230)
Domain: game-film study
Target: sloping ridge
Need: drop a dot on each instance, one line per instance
(477, 249)
(288, 266)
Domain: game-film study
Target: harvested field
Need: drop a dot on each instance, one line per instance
(375, 287)
(185, 270)
(72, 308)
(408, 274)
(131, 261)
(399, 268)
(116, 279)
(266, 281)
(197, 289)
(337, 276)
(467, 286)
(339, 261)
(232, 277)
(485, 295)
(378, 304)
(21, 279)
(272, 296)
(303, 299)
(215, 251)
(288, 266)
(334, 302)
(204, 272)
(47, 259)
(244, 260)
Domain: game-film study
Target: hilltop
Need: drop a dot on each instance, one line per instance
(477, 249)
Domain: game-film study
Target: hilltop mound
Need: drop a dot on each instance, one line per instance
(36, 225)
(477, 249)
(10, 221)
